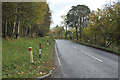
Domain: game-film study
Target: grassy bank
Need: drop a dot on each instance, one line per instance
(99, 47)
(16, 58)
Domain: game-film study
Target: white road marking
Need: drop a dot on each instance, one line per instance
(57, 56)
(92, 56)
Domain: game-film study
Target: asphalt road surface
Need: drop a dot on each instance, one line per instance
(78, 61)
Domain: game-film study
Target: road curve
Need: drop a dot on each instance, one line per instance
(78, 61)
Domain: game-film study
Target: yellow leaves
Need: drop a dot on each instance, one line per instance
(91, 16)
(87, 28)
(93, 13)
(95, 24)
(73, 30)
(98, 9)
(116, 6)
(90, 25)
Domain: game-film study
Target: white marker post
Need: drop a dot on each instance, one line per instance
(40, 51)
(31, 55)
(47, 43)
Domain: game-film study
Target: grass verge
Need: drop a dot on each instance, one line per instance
(99, 47)
(16, 58)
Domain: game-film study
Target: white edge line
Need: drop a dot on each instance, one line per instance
(92, 56)
(57, 56)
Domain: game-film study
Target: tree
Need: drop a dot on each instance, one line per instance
(25, 19)
(78, 17)
(58, 31)
(64, 23)
(72, 19)
(103, 26)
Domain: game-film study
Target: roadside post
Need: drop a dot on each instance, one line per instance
(40, 51)
(31, 55)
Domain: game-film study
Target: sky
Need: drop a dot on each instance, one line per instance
(61, 7)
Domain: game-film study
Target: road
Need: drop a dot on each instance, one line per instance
(78, 61)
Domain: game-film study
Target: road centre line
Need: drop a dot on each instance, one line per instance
(92, 56)
(57, 55)
(89, 54)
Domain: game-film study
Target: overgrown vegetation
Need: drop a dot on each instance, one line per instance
(16, 58)
(103, 29)
(111, 50)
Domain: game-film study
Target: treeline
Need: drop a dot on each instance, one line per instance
(58, 32)
(101, 27)
(20, 19)
(104, 28)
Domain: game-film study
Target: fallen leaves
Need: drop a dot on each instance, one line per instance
(20, 73)
(44, 73)
(38, 66)
(17, 67)
(53, 68)
(41, 73)
(17, 60)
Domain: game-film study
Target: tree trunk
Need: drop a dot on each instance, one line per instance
(29, 32)
(104, 42)
(95, 38)
(14, 25)
(26, 32)
(80, 29)
(80, 33)
(5, 30)
(18, 27)
(18, 30)
(22, 28)
(32, 35)
(76, 33)
(61, 34)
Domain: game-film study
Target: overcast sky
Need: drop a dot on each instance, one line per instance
(61, 7)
